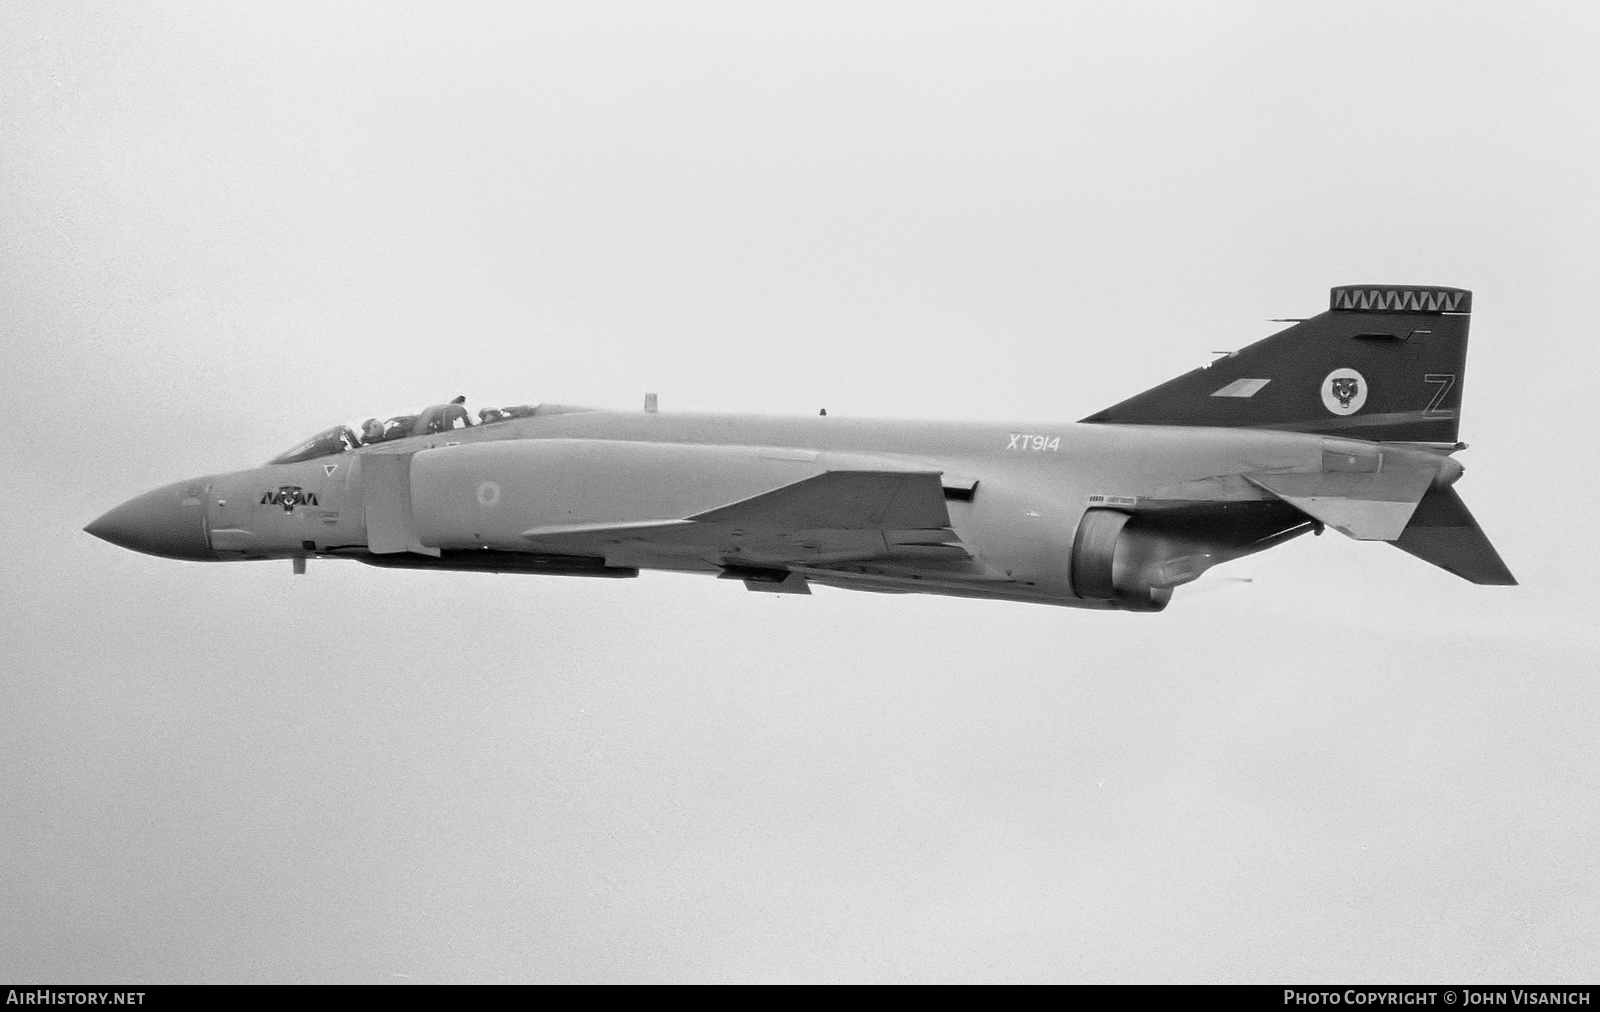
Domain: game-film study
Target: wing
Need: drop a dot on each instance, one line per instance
(843, 500)
(834, 517)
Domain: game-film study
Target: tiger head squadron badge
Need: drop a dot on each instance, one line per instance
(1344, 391)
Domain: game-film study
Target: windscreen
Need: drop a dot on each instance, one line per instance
(339, 439)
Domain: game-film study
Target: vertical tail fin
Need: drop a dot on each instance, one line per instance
(1385, 362)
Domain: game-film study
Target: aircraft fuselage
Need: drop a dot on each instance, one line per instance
(608, 493)
(1347, 419)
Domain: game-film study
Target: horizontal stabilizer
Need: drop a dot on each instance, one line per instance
(843, 500)
(1442, 531)
(1367, 506)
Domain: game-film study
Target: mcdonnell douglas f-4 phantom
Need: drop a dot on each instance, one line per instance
(1346, 420)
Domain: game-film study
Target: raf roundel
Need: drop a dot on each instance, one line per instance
(1344, 391)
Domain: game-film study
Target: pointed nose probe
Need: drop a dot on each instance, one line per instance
(168, 522)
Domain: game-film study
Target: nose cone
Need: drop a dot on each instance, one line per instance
(169, 522)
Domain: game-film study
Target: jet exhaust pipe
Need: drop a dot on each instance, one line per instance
(1132, 561)
(1111, 563)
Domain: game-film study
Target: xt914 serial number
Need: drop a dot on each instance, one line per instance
(1026, 441)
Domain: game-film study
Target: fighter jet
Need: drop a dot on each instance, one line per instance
(1348, 419)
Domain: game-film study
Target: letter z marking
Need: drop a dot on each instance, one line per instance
(1445, 383)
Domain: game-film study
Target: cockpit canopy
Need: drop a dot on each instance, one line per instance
(435, 419)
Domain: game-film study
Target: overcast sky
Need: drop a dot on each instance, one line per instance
(223, 228)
